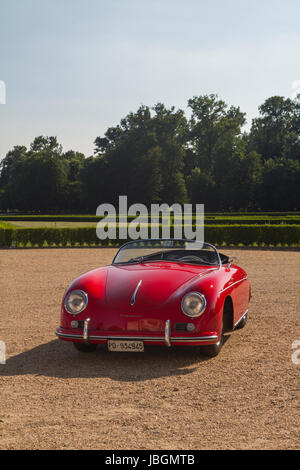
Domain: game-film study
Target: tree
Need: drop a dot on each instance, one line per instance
(145, 156)
(214, 136)
(37, 179)
(156, 155)
(275, 133)
(213, 129)
(280, 190)
(44, 143)
(41, 183)
(96, 184)
(201, 188)
(10, 167)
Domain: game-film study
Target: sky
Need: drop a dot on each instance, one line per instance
(73, 68)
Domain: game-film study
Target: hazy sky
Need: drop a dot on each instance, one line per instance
(72, 68)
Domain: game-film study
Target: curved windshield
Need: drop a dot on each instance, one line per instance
(177, 251)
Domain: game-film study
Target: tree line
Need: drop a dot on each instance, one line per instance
(159, 154)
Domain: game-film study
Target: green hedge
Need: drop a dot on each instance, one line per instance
(253, 234)
(86, 236)
(208, 220)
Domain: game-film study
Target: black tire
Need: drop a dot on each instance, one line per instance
(85, 348)
(242, 323)
(213, 349)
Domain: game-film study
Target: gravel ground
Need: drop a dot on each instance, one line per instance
(52, 397)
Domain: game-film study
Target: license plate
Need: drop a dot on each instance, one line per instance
(125, 346)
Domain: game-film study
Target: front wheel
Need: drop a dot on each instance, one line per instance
(213, 349)
(83, 347)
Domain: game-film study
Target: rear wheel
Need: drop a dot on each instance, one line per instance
(83, 347)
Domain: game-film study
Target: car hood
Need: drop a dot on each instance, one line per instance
(154, 283)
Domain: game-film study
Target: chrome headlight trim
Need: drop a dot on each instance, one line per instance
(203, 300)
(82, 294)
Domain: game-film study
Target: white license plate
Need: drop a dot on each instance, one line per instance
(125, 346)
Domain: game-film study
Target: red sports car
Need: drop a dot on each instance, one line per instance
(157, 292)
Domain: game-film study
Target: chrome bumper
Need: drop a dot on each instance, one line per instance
(86, 330)
(167, 339)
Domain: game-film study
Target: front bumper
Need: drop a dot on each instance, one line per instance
(169, 339)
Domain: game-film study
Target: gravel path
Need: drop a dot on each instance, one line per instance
(53, 397)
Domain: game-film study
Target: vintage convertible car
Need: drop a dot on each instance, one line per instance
(157, 292)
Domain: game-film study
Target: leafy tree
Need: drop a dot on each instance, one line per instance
(213, 130)
(145, 155)
(40, 184)
(74, 190)
(280, 190)
(96, 184)
(10, 167)
(43, 143)
(156, 155)
(275, 133)
(36, 179)
(214, 136)
(201, 187)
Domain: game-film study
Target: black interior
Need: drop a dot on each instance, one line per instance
(204, 256)
(185, 256)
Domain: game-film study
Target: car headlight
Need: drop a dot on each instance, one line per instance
(76, 301)
(193, 304)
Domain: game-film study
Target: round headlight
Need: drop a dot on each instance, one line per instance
(76, 301)
(193, 304)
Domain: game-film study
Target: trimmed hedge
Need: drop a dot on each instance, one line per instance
(252, 221)
(86, 236)
(208, 219)
(253, 234)
(35, 216)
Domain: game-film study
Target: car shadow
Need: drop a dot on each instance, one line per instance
(60, 359)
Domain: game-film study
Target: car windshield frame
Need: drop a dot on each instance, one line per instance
(165, 248)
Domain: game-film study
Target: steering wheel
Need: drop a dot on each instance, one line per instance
(190, 258)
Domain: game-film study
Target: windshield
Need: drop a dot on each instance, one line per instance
(178, 251)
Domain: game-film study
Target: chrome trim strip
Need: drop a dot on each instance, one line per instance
(67, 335)
(203, 339)
(168, 333)
(240, 319)
(86, 330)
(143, 338)
(241, 280)
(132, 301)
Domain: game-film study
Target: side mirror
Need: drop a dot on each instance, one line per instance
(232, 260)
